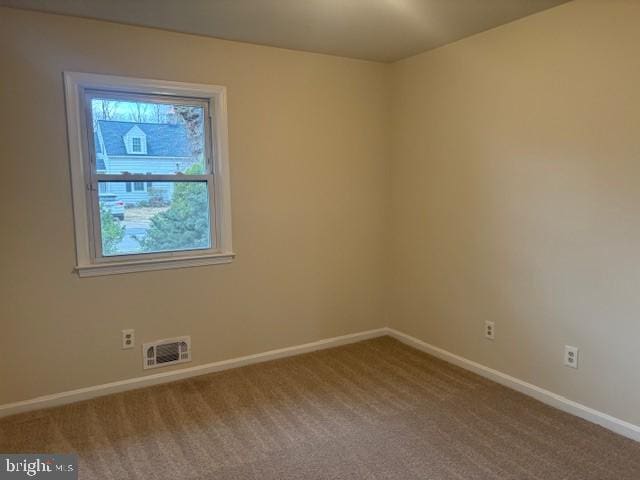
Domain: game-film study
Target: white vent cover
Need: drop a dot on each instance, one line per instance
(166, 352)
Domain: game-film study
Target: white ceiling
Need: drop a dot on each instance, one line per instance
(383, 30)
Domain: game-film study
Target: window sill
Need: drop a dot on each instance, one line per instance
(117, 268)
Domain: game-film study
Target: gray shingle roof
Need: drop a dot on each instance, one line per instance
(99, 158)
(163, 139)
(96, 143)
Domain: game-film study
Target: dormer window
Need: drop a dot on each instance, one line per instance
(135, 141)
(136, 145)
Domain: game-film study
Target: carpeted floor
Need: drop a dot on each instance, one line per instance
(371, 410)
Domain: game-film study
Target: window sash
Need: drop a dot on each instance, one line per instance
(95, 177)
(213, 224)
(90, 94)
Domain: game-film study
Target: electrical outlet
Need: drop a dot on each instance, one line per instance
(128, 339)
(571, 356)
(490, 330)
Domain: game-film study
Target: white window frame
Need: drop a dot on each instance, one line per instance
(83, 175)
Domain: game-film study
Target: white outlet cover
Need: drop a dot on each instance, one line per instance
(490, 330)
(571, 356)
(128, 339)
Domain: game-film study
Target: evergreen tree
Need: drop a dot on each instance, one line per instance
(111, 230)
(185, 224)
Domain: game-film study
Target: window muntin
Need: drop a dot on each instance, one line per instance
(165, 191)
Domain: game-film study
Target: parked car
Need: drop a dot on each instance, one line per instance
(111, 202)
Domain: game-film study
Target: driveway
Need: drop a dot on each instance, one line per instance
(136, 222)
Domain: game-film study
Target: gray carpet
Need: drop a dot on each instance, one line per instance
(371, 410)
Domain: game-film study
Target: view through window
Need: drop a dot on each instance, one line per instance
(152, 178)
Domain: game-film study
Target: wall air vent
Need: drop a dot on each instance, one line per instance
(166, 352)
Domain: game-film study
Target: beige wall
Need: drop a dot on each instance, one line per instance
(308, 149)
(516, 198)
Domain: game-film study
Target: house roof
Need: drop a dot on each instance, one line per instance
(163, 139)
(99, 157)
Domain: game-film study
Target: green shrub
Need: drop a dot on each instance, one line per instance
(185, 224)
(112, 231)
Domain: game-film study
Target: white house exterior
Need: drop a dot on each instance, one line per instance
(141, 148)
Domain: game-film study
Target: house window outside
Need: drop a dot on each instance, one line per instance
(136, 145)
(136, 186)
(173, 217)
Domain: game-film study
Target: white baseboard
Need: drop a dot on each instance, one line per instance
(561, 403)
(615, 424)
(80, 394)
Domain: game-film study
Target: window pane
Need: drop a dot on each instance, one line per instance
(170, 216)
(140, 136)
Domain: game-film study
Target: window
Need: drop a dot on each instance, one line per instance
(136, 145)
(155, 215)
(137, 187)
